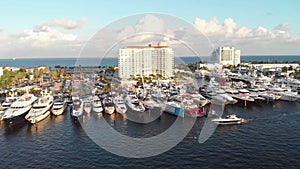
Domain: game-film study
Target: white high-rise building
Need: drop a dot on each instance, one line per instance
(145, 60)
(226, 56)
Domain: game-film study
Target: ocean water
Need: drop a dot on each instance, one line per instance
(270, 139)
(52, 62)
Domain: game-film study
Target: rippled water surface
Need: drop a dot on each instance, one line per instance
(270, 139)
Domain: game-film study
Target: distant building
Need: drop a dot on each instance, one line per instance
(146, 60)
(226, 56)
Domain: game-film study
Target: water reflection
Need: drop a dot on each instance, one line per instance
(57, 119)
(13, 129)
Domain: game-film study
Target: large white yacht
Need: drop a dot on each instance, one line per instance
(288, 96)
(6, 104)
(59, 106)
(120, 105)
(109, 106)
(40, 109)
(97, 105)
(77, 110)
(134, 103)
(19, 108)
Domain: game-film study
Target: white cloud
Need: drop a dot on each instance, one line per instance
(66, 24)
(282, 27)
(146, 29)
(229, 29)
(44, 35)
(258, 40)
(48, 40)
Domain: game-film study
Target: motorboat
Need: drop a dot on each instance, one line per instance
(97, 105)
(229, 119)
(87, 105)
(267, 95)
(120, 105)
(288, 96)
(257, 99)
(6, 104)
(191, 109)
(109, 106)
(134, 103)
(148, 102)
(40, 109)
(59, 106)
(228, 98)
(76, 100)
(181, 105)
(77, 110)
(199, 99)
(19, 108)
(243, 98)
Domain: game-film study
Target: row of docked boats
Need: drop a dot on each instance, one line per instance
(31, 108)
(98, 104)
(247, 95)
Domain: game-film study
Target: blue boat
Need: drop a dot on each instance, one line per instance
(174, 109)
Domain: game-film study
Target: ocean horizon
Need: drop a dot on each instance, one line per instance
(111, 61)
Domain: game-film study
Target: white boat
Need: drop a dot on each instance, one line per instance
(19, 108)
(5, 105)
(109, 106)
(267, 95)
(134, 103)
(181, 105)
(256, 98)
(97, 105)
(229, 119)
(120, 105)
(59, 106)
(288, 96)
(148, 102)
(244, 99)
(7, 102)
(76, 100)
(87, 105)
(228, 98)
(199, 99)
(40, 109)
(77, 111)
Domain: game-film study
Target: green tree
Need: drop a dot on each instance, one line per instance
(284, 69)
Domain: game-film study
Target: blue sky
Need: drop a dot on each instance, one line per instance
(17, 16)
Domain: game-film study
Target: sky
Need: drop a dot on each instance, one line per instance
(62, 28)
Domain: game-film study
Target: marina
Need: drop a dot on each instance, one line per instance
(61, 110)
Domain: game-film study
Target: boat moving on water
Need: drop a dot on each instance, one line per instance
(40, 109)
(229, 119)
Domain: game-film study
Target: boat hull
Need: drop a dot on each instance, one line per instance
(194, 113)
(59, 111)
(109, 110)
(16, 119)
(174, 110)
(39, 118)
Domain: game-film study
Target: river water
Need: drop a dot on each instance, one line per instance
(270, 139)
